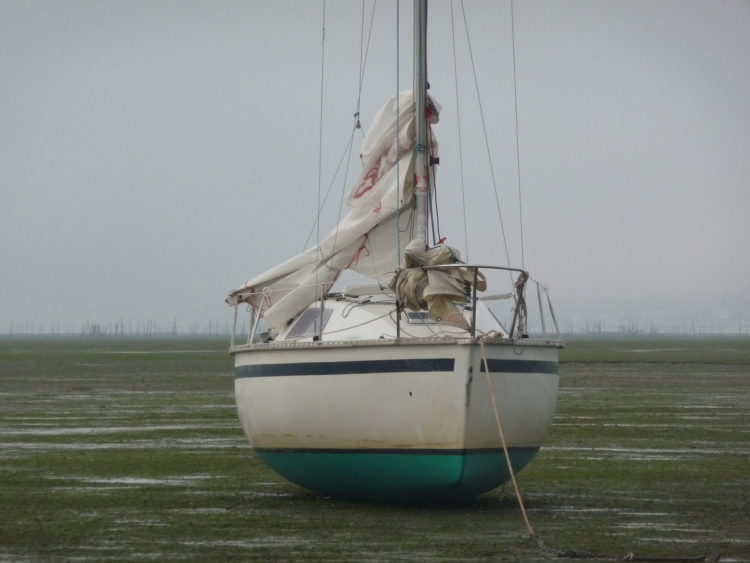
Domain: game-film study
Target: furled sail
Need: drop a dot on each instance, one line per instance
(365, 240)
(436, 290)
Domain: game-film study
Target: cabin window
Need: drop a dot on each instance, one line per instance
(306, 324)
(420, 318)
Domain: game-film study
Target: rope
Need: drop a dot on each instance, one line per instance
(460, 144)
(486, 138)
(569, 554)
(432, 206)
(432, 194)
(504, 443)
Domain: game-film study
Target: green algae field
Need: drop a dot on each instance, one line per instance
(123, 449)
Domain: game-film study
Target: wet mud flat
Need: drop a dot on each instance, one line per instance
(126, 449)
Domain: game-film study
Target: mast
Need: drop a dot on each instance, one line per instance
(421, 176)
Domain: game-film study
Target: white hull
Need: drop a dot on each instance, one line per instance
(399, 407)
(365, 413)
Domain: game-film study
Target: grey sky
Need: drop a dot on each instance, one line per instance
(155, 155)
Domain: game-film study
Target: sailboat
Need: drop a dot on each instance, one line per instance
(405, 387)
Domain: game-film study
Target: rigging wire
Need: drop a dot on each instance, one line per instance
(357, 124)
(460, 144)
(518, 149)
(320, 123)
(346, 154)
(320, 168)
(486, 140)
(398, 127)
(362, 65)
(363, 58)
(432, 203)
(346, 177)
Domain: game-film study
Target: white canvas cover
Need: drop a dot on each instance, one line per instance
(435, 290)
(365, 240)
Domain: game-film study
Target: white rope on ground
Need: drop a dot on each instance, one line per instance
(502, 440)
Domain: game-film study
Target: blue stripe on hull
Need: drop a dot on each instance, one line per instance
(520, 366)
(387, 366)
(345, 368)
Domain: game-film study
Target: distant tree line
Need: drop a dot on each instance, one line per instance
(121, 328)
(148, 328)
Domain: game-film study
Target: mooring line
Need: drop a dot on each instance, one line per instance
(570, 554)
(503, 442)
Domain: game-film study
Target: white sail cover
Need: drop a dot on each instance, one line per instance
(365, 240)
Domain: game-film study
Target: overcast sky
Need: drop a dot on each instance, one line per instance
(156, 154)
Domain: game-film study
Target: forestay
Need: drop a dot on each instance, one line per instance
(365, 240)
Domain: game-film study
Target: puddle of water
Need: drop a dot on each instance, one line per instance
(652, 350)
(114, 429)
(267, 541)
(145, 481)
(650, 453)
(154, 352)
(131, 445)
(131, 481)
(672, 540)
(569, 509)
(200, 510)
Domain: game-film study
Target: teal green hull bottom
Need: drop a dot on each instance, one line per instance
(397, 475)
